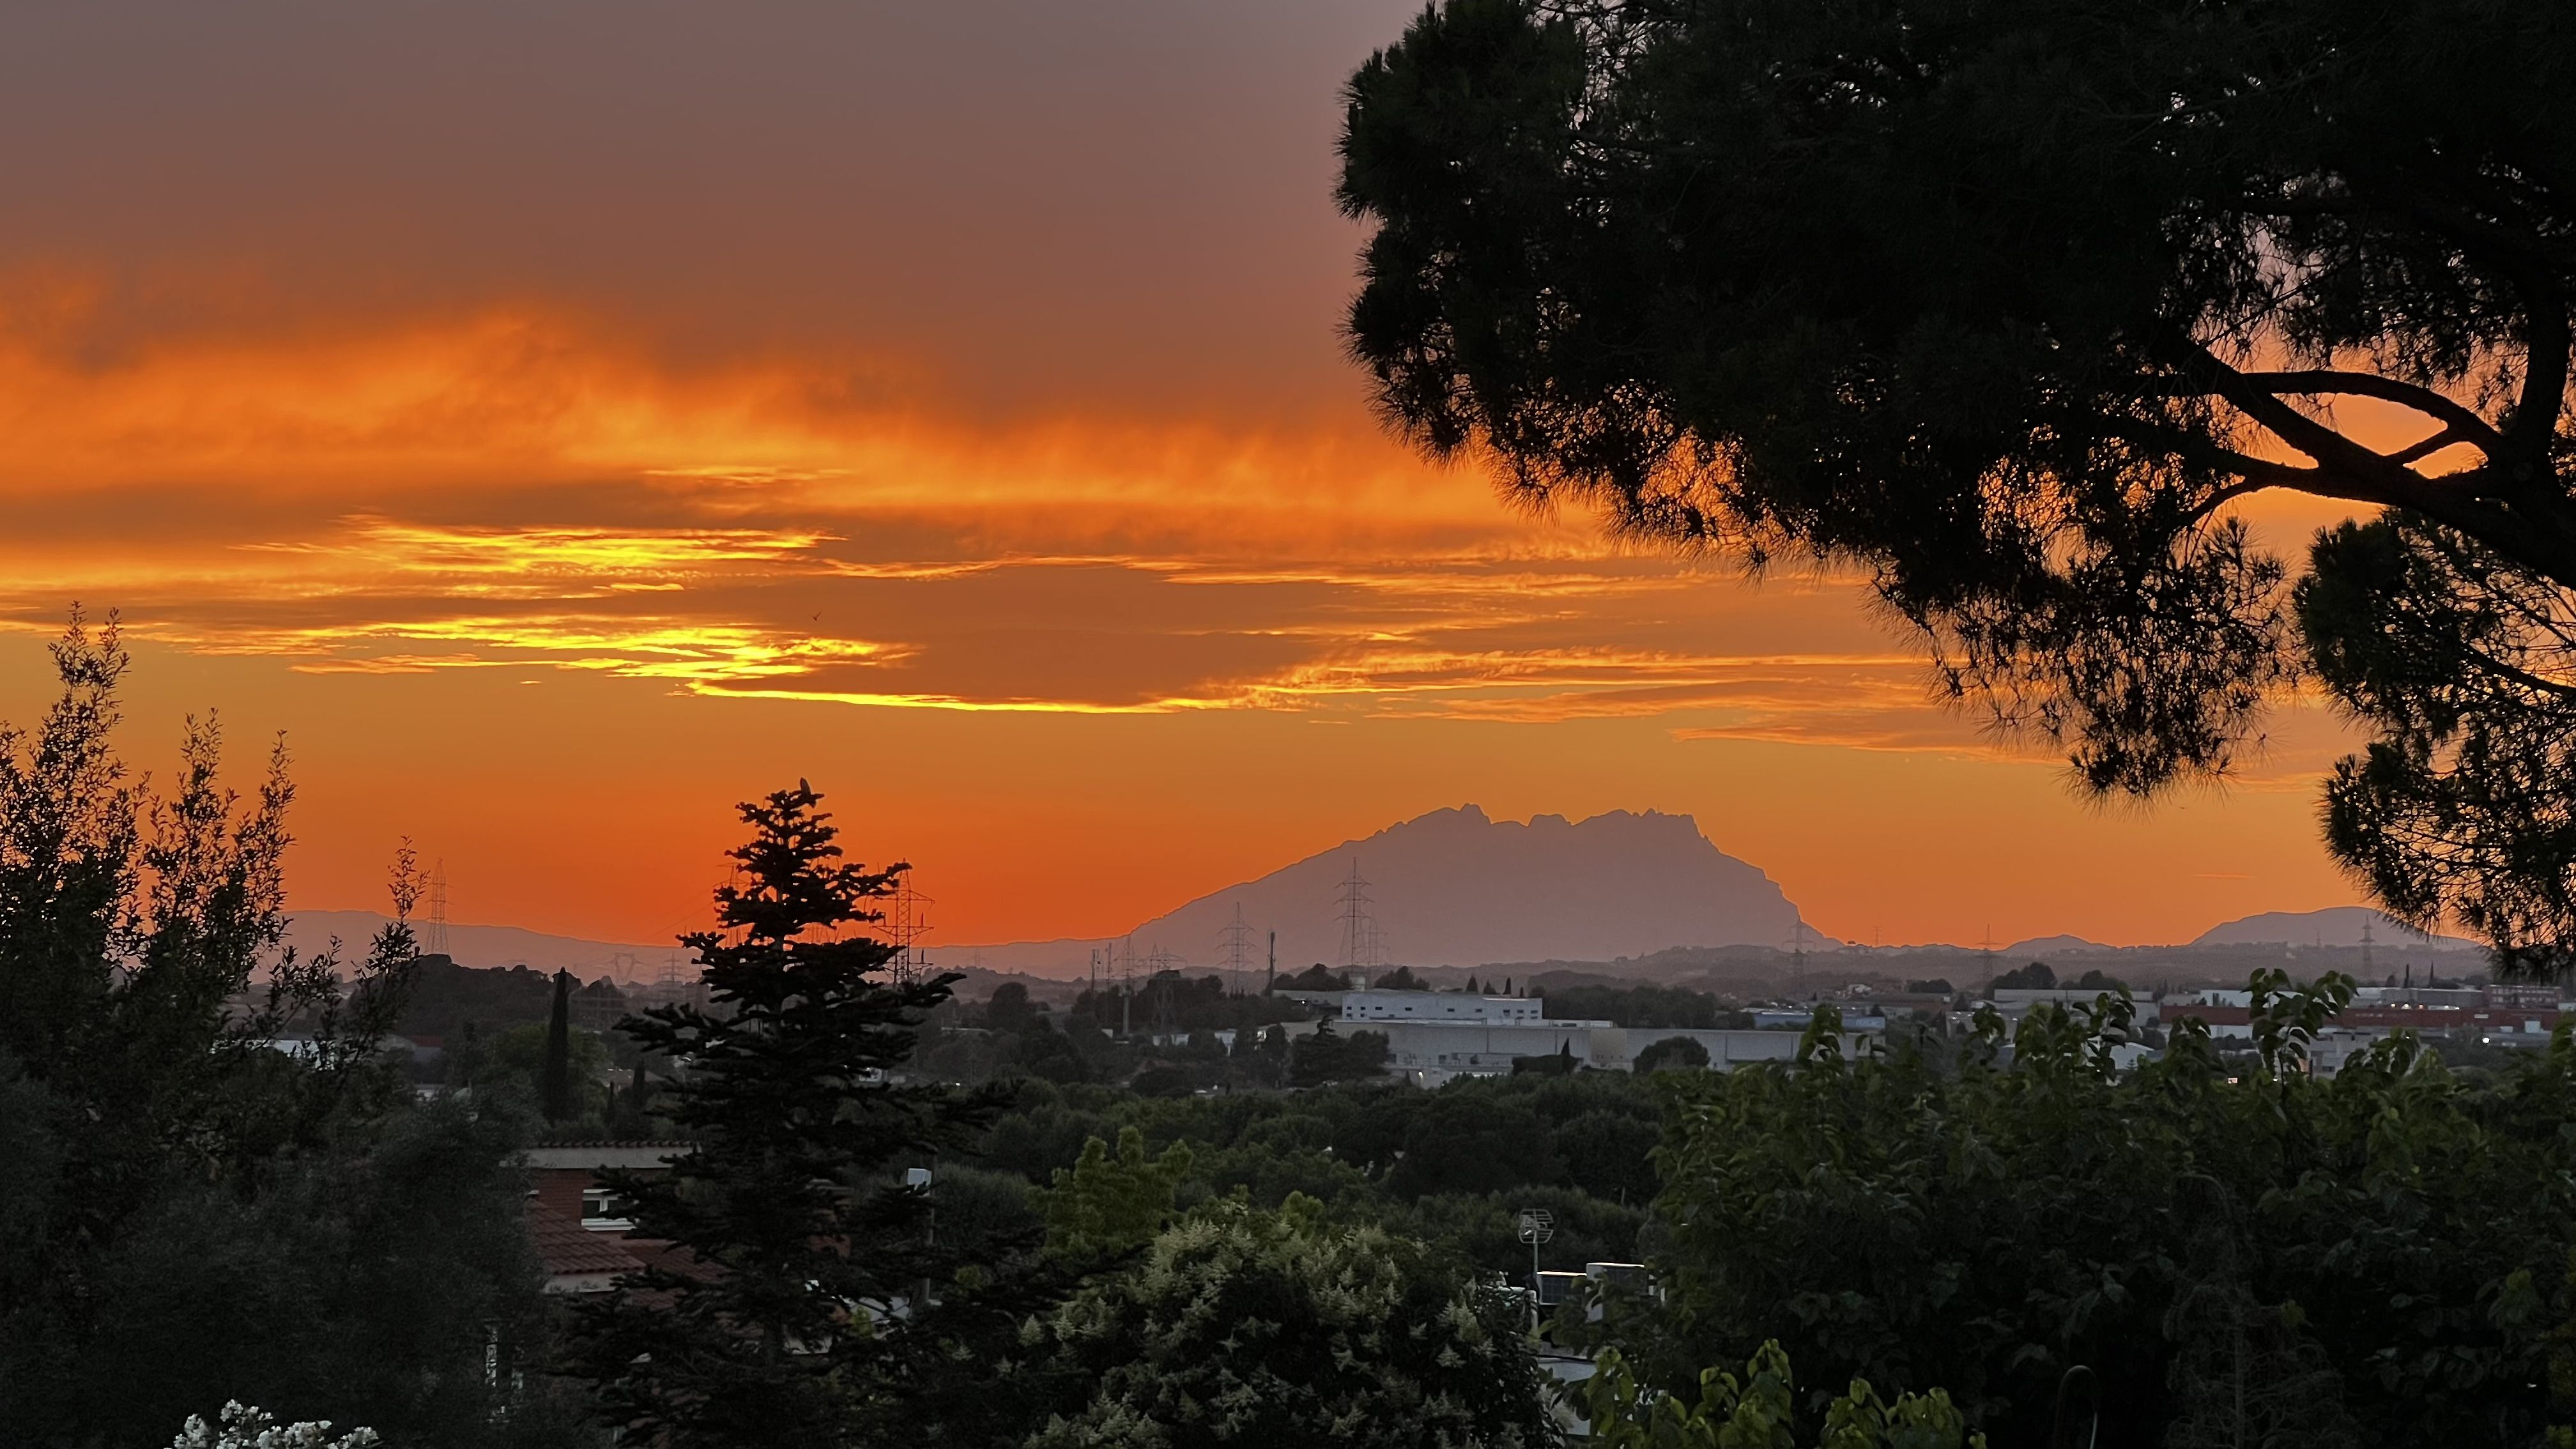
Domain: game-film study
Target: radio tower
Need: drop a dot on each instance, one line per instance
(435, 943)
(907, 921)
(1798, 961)
(1237, 936)
(1358, 935)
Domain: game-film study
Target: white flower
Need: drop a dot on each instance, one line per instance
(245, 1427)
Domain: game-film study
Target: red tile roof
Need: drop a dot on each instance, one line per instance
(570, 1250)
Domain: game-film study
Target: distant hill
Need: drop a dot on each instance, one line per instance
(311, 931)
(1456, 888)
(2333, 926)
(2043, 945)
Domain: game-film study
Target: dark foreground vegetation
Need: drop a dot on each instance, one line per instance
(216, 1187)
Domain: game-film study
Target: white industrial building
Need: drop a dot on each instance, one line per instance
(1432, 1037)
(1438, 1006)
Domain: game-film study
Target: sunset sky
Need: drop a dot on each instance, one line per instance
(565, 420)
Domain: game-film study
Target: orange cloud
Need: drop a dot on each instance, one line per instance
(521, 494)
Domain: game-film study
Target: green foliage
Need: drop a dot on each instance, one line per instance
(1980, 1228)
(1378, 1154)
(1243, 1326)
(779, 1326)
(1103, 1206)
(1458, 1142)
(1673, 1053)
(1318, 977)
(359, 1284)
(554, 1071)
(1637, 1006)
(1591, 1227)
(450, 1001)
(1325, 1055)
(1008, 1008)
(206, 1190)
(2456, 658)
(987, 1217)
(1759, 1411)
(512, 1064)
(2040, 976)
(2004, 303)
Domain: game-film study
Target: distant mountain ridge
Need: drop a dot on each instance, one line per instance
(310, 932)
(2041, 945)
(2333, 926)
(1530, 908)
(1456, 887)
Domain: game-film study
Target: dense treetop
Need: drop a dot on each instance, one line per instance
(2003, 304)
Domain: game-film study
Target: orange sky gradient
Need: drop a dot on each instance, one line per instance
(567, 420)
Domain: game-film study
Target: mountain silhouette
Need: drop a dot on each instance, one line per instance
(1457, 888)
(2333, 926)
(311, 932)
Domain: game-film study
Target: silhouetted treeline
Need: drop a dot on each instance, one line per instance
(1644, 1006)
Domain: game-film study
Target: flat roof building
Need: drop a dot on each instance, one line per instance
(1439, 1006)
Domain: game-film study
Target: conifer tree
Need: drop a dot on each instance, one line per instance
(555, 1079)
(786, 1313)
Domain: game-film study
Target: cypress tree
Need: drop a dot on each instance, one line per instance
(789, 1310)
(555, 1075)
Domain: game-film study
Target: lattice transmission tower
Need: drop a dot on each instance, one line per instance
(907, 923)
(1359, 933)
(1236, 940)
(434, 940)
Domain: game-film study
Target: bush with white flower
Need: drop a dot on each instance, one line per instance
(245, 1427)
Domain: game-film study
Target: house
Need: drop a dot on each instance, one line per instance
(576, 1259)
(572, 1216)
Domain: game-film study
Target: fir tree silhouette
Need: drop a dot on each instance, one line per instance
(788, 1309)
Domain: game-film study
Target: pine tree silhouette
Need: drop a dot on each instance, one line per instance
(790, 1311)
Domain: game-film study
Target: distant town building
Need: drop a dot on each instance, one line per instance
(2512, 1014)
